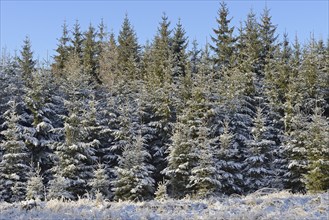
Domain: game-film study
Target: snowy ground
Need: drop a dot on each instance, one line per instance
(280, 205)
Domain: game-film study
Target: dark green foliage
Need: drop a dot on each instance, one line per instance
(90, 66)
(62, 51)
(223, 40)
(160, 63)
(268, 38)
(77, 41)
(128, 51)
(179, 45)
(26, 61)
(193, 123)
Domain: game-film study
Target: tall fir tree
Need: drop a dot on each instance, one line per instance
(179, 45)
(268, 38)
(194, 57)
(26, 61)
(62, 50)
(90, 58)
(128, 51)
(159, 71)
(108, 63)
(77, 42)
(224, 41)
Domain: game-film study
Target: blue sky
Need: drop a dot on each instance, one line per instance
(42, 20)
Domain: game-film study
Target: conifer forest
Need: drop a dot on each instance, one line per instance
(111, 118)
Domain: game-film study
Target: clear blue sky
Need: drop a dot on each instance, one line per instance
(42, 20)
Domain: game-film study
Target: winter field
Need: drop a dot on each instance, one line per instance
(259, 205)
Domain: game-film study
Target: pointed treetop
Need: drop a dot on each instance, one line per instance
(26, 61)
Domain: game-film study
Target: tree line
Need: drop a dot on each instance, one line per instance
(111, 118)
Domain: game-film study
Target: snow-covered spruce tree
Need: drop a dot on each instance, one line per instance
(161, 192)
(133, 174)
(317, 146)
(204, 179)
(127, 126)
(76, 154)
(258, 163)
(185, 139)
(35, 188)
(157, 115)
(108, 122)
(14, 167)
(58, 188)
(10, 83)
(179, 160)
(100, 183)
(46, 107)
(76, 148)
(228, 164)
(295, 152)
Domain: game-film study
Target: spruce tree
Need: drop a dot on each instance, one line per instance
(90, 54)
(100, 183)
(58, 188)
(75, 156)
(62, 51)
(194, 57)
(224, 41)
(77, 42)
(228, 166)
(14, 167)
(249, 44)
(258, 163)
(134, 181)
(128, 51)
(35, 188)
(182, 152)
(295, 152)
(204, 179)
(317, 142)
(159, 71)
(108, 63)
(26, 61)
(268, 38)
(179, 45)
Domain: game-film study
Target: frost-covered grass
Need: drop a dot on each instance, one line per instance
(281, 205)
